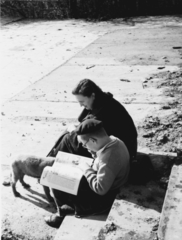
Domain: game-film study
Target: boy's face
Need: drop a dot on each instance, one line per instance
(89, 143)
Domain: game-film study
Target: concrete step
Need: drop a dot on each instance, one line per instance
(135, 213)
(80, 228)
(170, 226)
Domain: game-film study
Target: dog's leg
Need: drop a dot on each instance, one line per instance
(14, 180)
(24, 184)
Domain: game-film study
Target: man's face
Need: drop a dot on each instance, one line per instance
(89, 143)
(86, 102)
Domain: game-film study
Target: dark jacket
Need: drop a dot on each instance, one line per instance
(115, 118)
(116, 121)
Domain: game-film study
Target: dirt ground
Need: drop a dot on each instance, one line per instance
(160, 130)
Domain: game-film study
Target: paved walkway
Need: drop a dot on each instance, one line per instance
(44, 60)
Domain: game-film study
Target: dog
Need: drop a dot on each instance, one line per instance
(32, 166)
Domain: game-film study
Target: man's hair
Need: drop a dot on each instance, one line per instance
(86, 87)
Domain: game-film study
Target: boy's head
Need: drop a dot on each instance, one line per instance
(92, 135)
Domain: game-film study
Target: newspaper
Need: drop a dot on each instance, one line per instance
(65, 174)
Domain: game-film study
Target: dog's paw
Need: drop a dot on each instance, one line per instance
(25, 185)
(17, 194)
(52, 205)
(6, 183)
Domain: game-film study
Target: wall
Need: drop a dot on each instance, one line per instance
(100, 9)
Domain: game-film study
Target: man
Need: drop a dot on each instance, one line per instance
(101, 181)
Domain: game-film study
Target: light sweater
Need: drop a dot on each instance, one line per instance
(110, 169)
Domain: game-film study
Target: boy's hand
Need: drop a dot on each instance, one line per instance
(84, 166)
(92, 153)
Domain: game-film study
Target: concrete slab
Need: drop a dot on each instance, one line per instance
(40, 50)
(50, 98)
(29, 127)
(147, 50)
(30, 136)
(32, 54)
(30, 206)
(57, 112)
(81, 228)
(53, 111)
(170, 226)
(58, 86)
(134, 214)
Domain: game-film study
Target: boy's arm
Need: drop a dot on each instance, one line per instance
(101, 181)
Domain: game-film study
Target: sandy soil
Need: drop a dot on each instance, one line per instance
(22, 218)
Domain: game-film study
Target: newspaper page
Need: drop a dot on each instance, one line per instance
(72, 159)
(63, 177)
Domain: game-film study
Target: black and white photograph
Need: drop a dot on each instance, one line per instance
(91, 119)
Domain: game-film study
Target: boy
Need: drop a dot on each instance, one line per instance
(101, 181)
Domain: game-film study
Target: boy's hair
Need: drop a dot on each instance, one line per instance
(96, 134)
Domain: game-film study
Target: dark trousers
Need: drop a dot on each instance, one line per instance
(86, 202)
(68, 142)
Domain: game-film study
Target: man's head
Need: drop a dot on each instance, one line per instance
(92, 135)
